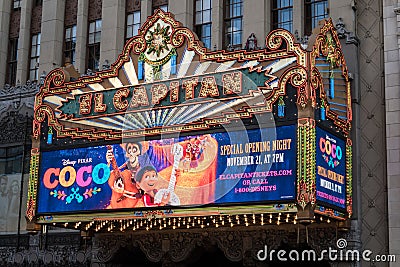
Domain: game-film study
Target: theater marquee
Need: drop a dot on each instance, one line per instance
(174, 130)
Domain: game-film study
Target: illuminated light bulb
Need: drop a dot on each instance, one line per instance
(328, 221)
(187, 226)
(278, 223)
(216, 225)
(147, 228)
(294, 222)
(160, 227)
(231, 224)
(270, 220)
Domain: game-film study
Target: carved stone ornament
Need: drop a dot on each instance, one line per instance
(236, 244)
(251, 43)
(15, 124)
(343, 33)
(43, 252)
(10, 92)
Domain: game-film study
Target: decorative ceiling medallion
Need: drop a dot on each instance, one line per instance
(158, 40)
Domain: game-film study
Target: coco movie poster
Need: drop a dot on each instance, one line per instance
(331, 169)
(239, 167)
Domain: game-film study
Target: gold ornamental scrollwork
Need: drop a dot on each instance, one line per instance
(297, 76)
(55, 78)
(136, 44)
(178, 38)
(276, 38)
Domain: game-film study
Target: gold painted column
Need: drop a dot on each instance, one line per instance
(298, 16)
(113, 30)
(183, 11)
(24, 42)
(5, 11)
(81, 35)
(217, 26)
(145, 10)
(52, 36)
(254, 21)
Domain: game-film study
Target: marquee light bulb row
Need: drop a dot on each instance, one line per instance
(146, 224)
(191, 222)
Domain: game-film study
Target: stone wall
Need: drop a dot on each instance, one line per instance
(391, 30)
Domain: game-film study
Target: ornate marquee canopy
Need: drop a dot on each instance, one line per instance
(164, 84)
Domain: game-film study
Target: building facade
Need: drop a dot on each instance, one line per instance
(38, 36)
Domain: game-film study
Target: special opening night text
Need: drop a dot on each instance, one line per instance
(255, 147)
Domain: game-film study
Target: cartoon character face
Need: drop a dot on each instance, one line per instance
(149, 181)
(132, 152)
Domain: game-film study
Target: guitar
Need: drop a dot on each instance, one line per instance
(177, 151)
(123, 189)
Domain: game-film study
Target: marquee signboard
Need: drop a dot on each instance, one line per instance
(331, 169)
(177, 129)
(213, 171)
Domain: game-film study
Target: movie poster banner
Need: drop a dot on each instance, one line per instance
(331, 169)
(220, 168)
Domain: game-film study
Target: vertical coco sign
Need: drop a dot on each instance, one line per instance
(331, 169)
